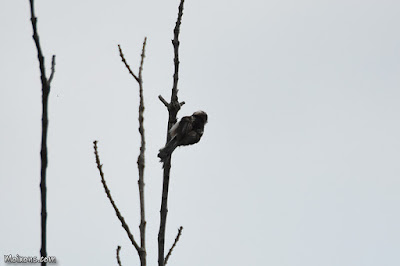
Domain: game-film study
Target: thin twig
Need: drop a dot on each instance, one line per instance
(173, 245)
(126, 64)
(163, 101)
(45, 124)
(117, 212)
(39, 49)
(173, 108)
(53, 70)
(118, 259)
(175, 43)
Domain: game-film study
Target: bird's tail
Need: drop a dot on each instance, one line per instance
(167, 150)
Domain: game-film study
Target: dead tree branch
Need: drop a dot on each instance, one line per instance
(173, 245)
(141, 157)
(173, 108)
(45, 123)
(117, 212)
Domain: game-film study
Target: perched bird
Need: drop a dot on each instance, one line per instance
(187, 131)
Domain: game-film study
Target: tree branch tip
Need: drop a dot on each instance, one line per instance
(95, 144)
(53, 69)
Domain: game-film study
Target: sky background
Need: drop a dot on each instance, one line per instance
(299, 163)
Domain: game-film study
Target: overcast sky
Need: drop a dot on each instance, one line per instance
(299, 163)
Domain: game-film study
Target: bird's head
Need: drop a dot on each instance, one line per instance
(202, 115)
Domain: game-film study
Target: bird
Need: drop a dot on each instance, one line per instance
(187, 131)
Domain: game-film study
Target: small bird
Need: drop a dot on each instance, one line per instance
(187, 131)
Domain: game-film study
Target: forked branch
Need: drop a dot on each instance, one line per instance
(141, 157)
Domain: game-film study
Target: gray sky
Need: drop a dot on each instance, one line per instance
(299, 164)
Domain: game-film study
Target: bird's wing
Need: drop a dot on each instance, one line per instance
(173, 129)
(184, 126)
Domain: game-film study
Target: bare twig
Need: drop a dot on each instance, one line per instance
(141, 157)
(39, 49)
(126, 64)
(117, 212)
(173, 108)
(45, 124)
(163, 101)
(175, 43)
(118, 259)
(173, 245)
(53, 70)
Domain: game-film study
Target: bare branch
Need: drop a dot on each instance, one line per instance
(142, 56)
(39, 49)
(53, 64)
(126, 64)
(45, 124)
(141, 158)
(117, 212)
(175, 42)
(163, 101)
(118, 259)
(141, 162)
(173, 109)
(173, 245)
